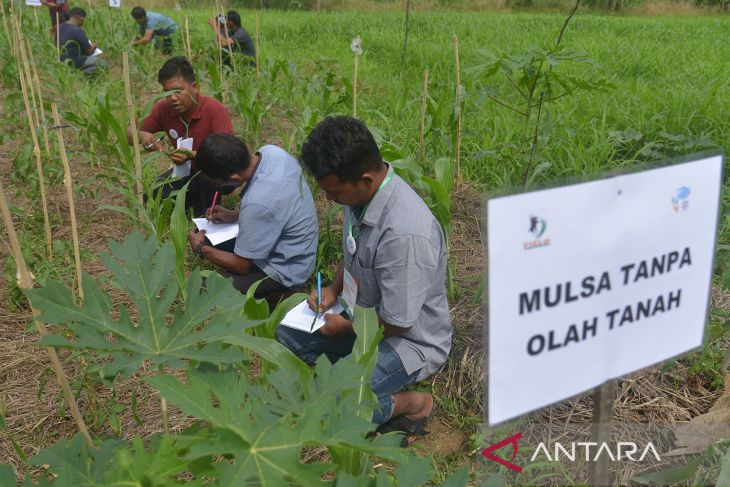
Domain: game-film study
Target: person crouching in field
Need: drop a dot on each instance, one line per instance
(277, 221)
(76, 48)
(234, 39)
(154, 27)
(394, 260)
(183, 114)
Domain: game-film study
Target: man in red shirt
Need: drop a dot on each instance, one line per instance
(184, 114)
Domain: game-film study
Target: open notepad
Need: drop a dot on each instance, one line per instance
(300, 317)
(217, 232)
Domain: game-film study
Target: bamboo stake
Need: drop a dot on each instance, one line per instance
(44, 125)
(39, 165)
(218, 47)
(25, 281)
(35, 16)
(356, 48)
(257, 46)
(187, 35)
(68, 182)
(135, 133)
(37, 85)
(230, 50)
(58, 38)
(6, 29)
(422, 144)
(457, 148)
(28, 77)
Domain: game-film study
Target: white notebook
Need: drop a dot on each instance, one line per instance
(300, 317)
(217, 232)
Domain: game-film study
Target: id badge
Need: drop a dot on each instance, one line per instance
(349, 293)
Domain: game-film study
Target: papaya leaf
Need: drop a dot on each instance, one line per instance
(167, 331)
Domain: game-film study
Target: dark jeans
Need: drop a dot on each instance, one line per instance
(388, 377)
(164, 36)
(200, 191)
(267, 289)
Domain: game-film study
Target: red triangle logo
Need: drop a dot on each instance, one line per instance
(487, 452)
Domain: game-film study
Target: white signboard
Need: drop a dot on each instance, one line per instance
(593, 281)
(115, 3)
(33, 3)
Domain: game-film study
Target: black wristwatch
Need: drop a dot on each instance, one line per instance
(198, 249)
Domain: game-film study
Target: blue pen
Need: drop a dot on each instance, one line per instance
(319, 291)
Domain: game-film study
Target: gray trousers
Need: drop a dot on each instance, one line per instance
(92, 64)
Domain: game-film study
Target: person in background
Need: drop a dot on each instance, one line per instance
(229, 34)
(277, 221)
(59, 7)
(184, 114)
(394, 260)
(154, 27)
(75, 45)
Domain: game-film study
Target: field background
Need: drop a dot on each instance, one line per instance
(664, 93)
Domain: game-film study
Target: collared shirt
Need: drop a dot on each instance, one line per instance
(400, 266)
(209, 116)
(277, 220)
(156, 22)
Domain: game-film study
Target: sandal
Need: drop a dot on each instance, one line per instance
(411, 427)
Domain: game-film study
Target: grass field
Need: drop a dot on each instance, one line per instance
(642, 89)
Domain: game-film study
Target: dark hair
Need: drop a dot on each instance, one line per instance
(174, 67)
(138, 13)
(233, 16)
(342, 146)
(77, 12)
(220, 155)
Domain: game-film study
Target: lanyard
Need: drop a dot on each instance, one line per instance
(351, 244)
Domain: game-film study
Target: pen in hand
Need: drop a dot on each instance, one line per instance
(215, 198)
(319, 300)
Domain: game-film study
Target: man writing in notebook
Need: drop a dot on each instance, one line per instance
(183, 114)
(277, 221)
(394, 260)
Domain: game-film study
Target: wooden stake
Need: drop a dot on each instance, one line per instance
(68, 182)
(25, 281)
(230, 50)
(257, 45)
(187, 35)
(6, 29)
(35, 16)
(39, 164)
(28, 77)
(135, 133)
(356, 48)
(37, 85)
(58, 38)
(457, 148)
(424, 100)
(603, 399)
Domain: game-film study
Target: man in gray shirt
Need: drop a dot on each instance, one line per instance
(277, 221)
(394, 261)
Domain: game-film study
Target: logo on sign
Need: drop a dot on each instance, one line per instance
(512, 440)
(537, 230)
(680, 201)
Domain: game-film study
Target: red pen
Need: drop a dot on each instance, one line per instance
(215, 198)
